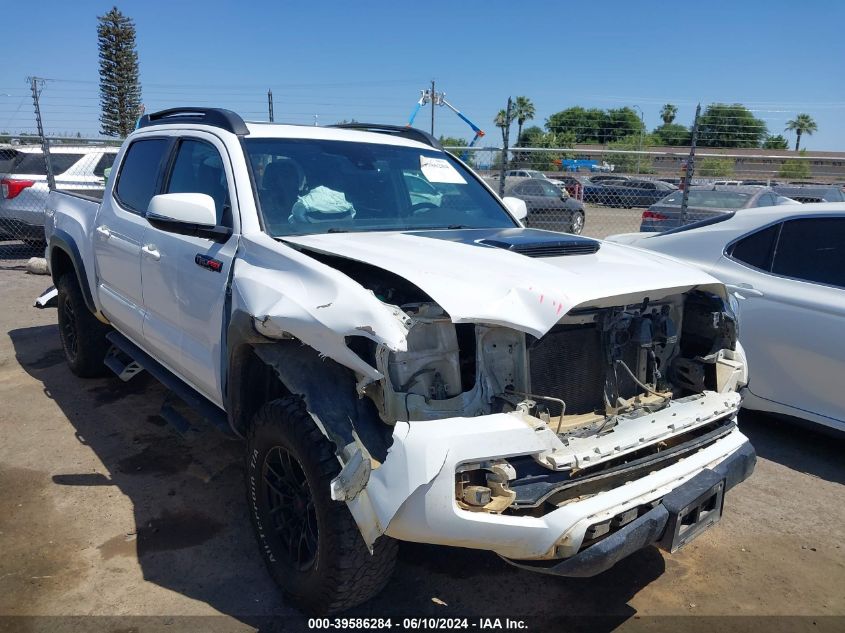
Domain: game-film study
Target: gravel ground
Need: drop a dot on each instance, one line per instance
(104, 510)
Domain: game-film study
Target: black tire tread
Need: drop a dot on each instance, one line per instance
(92, 344)
(352, 575)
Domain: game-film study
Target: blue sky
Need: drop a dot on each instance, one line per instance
(368, 60)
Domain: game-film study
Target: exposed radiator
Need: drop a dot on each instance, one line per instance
(568, 363)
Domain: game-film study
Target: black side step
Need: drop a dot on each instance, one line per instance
(190, 396)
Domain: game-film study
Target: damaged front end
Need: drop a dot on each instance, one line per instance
(535, 445)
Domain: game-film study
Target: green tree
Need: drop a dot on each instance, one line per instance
(501, 122)
(622, 123)
(775, 142)
(633, 162)
(452, 141)
(730, 125)
(120, 87)
(672, 134)
(715, 168)
(801, 124)
(588, 126)
(668, 113)
(523, 110)
(796, 169)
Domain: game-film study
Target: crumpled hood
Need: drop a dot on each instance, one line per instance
(478, 283)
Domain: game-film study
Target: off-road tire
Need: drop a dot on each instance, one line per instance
(83, 336)
(343, 573)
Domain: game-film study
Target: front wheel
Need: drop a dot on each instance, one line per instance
(310, 543)
(576, 225)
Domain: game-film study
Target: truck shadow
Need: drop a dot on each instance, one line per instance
(193, 534)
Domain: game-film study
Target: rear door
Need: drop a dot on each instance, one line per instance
(119, 230)
(792, 318)
(184, 295)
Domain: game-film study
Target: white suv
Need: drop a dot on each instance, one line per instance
(24, 190)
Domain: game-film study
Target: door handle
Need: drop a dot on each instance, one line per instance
(149, 250)
(103, 232)
(744, 290)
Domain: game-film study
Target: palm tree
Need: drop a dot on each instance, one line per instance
(523, 110)
(501, 122)
(668, 112)
(801, 124)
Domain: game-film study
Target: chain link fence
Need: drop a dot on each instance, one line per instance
(598, 191)
(76, 165)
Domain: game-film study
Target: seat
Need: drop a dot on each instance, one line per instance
(280, 187)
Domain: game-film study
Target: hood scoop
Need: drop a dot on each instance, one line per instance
(534, 243)
(528, 242)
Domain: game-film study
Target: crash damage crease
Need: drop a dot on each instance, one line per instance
(393, 444)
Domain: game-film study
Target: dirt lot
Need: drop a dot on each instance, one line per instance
(104, 510)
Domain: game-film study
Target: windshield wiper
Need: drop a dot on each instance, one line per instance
(337, 230)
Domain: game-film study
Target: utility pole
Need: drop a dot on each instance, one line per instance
(433, 99)
(642, 128)
(35, 84)
(690, 166)
(270, 104)
(505, 139)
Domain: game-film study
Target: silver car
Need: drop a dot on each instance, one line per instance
(707, 201)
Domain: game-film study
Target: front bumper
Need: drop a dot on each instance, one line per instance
(411, 495)
(652, 527)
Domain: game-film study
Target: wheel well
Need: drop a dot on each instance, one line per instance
(253, 383)
(60, 263)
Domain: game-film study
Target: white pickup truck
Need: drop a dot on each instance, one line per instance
(402, 368)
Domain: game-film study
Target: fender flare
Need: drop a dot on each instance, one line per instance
(62, 241)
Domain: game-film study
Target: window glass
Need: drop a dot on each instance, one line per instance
(756, 249)
(549, 190)
(308, 186)
(198, 168)
(106, 161)
(33, 163)
(812, 249)
(711, 199)
(138, 176)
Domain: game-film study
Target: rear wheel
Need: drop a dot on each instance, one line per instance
(310, 543)
(576, 225)
(83, 335)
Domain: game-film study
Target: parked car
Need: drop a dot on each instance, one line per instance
(785, 265)
(706, 201)
(525, 173)
(549, 207)
(628, 193)
(435, 374)
(604, 178)
(814, 193)
(573, 185)
(24, 190)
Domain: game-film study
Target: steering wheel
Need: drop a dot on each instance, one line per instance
(423, 207)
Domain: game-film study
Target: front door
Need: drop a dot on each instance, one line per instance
(185, 278)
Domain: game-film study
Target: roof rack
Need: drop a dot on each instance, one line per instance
(217, 117)
(403, 131)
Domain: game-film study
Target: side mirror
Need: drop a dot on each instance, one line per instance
(195, 209)
(187, 214)
(516, 207)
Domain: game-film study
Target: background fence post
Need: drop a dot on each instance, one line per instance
(35, 83)
(690, 166)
